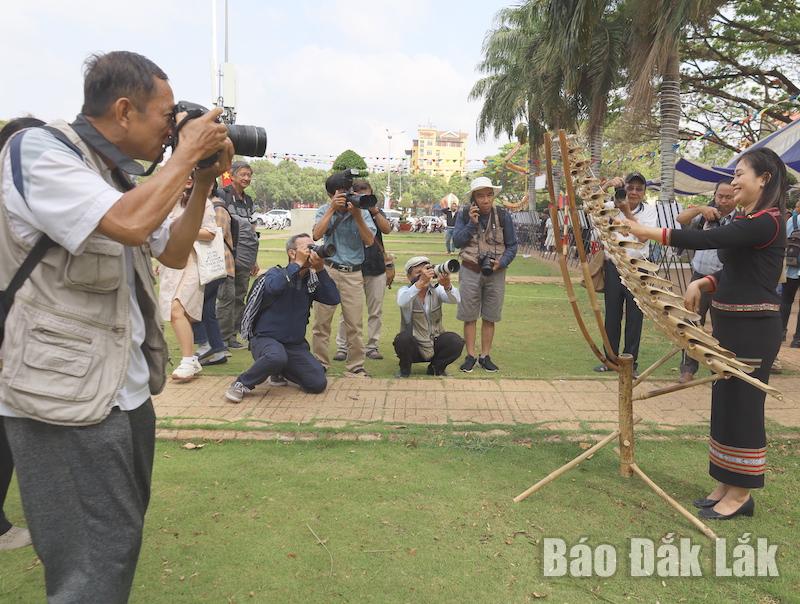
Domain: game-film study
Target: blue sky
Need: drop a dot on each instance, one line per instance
(319, 76)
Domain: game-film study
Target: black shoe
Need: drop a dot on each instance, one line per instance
(469, 364)
(215, 358)
(705, 503)
(340, 356)
(486, 363)
(795, 343)
(235, 344)
(748, 508)
(400, 374)
(431, 370)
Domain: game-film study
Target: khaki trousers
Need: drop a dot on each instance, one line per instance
(374, 288)
(351, 292)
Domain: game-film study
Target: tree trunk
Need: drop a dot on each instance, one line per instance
(533, 165)
(596, 148)
(670, 110)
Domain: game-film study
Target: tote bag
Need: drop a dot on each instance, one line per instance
(211, 258)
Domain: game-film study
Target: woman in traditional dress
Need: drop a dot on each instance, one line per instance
(745, 311)
(180, 294)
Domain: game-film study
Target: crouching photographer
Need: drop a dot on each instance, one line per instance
(422, 337)
(276, 316)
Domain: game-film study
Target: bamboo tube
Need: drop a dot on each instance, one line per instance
(593, 301)
(555, 474)
(644, 374)
(562, 263)
(626, 440)
(676, 387)
(715, 365)
(677, 506)
(708, 354)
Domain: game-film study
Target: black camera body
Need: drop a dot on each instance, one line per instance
(322, 250)
(486, 262)
(250, 141)
(343, 181)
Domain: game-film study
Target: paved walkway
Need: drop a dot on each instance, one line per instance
(550, 404)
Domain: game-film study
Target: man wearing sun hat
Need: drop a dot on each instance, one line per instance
(485, 234)
(422, 336)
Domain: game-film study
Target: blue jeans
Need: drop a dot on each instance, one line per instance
(293, 361)
(207, 329)
(448, 239)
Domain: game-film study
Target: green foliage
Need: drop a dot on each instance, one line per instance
(281, 185)
(349, 159)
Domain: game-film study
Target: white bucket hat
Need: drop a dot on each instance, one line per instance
(483, 182)
(416, 261)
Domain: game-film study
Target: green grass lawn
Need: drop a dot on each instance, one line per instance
(428, 518)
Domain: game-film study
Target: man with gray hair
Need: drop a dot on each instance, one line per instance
(230, 299)
(276, 317)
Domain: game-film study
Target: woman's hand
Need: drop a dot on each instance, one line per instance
(691, 299)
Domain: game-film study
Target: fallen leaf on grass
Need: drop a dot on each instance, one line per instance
(412, 551)
(291, 555)
(585, 446)
(191, 446)
(538, 596)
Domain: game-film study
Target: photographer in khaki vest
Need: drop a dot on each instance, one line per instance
(83, 350)
(485, 234)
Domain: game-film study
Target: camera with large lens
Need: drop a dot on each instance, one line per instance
(343, 181)
(323, 250)
(486, 262)
(250, 141)
(446, 268)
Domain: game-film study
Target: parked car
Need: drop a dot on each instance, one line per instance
(274, 219)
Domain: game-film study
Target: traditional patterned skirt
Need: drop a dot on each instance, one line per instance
(738, 446)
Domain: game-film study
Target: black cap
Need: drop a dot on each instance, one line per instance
(636, 176)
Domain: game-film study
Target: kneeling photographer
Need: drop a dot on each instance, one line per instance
(422, 337)
(275, 320)
(485, 234)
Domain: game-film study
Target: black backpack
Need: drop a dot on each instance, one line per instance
(793, 245)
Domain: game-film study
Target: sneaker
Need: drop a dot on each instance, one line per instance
(601, 369)
(187, 370)
(202, 350)
(437, 372)
(486, 363)
(235, 344)
(357, 373)
(340, 355)
(215, 358)
(469, 364)
(235, 393)
(15, 538)
(228, 353)
(777, 367)
(277, 380)
(374, 355)
(400, 374)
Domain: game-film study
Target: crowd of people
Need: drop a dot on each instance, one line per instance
(83, 345)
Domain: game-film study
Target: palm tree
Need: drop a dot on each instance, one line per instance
(587, 38)
(656, 30)
(517, 88)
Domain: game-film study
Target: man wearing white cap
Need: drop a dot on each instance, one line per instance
(422, 336)
(485, 234)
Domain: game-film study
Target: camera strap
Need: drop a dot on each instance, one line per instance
(92, 137)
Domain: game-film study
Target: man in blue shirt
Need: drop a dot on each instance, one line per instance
(349, 228)
(278, 344)
(485, 234)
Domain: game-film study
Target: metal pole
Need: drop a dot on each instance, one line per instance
(226, 31)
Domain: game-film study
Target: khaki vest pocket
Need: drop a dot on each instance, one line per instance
(52, 371)
(98, 269)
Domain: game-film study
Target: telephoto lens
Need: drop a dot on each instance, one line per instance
(445, 268)
(323, 251)
(362, 201)
(250, 141)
